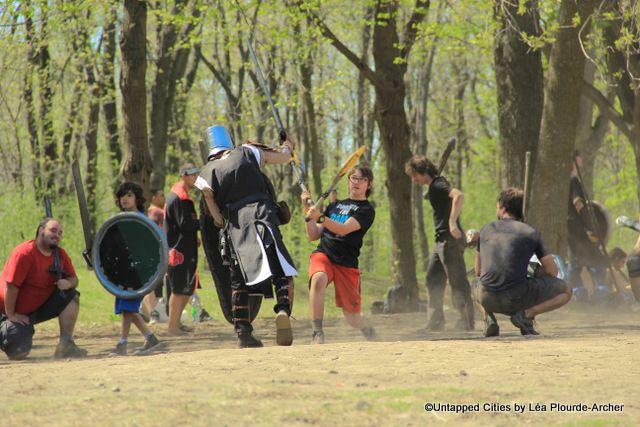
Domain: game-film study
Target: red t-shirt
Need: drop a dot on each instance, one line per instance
(28, 269)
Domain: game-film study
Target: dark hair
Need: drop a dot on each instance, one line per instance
(366, 172)
(134, 188)
(616, 254)
(511, 200)
(421, 165)
(154, 191)
(43, 224)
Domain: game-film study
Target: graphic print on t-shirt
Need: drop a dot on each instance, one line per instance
(343, 212)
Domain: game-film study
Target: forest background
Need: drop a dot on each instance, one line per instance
(128, 88)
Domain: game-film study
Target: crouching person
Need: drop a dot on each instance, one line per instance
(32, 292)
(504, 249)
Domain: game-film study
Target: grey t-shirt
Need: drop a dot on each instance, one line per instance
(505, 248)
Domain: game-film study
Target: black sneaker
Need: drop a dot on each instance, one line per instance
(247, 340)
(491, 327)
(317, 337)
(151, 344)
(436, 322)
(120, 350)
(369, 333)
(525, 324)
(66, 349)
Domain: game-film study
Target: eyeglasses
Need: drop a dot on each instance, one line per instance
(357, 179)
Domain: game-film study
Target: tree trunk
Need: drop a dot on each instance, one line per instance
(27, 95)
(136, 163)
(519, 85)
(306, 75)
(562, 91)
(50, 159)
(589, 134)
(395, 137)
(163, 95)
(108, 94)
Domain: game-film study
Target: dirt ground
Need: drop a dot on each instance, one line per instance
(583, 357)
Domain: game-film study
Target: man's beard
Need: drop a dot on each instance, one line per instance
(53, 245)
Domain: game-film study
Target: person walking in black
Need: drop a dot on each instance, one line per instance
(447, 259)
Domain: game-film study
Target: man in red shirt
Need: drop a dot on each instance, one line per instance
(30, 293)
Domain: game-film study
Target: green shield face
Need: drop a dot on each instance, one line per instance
(130, 255)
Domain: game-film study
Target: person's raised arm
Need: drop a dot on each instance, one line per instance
(281, 156)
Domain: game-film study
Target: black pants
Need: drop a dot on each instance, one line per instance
(447, 262)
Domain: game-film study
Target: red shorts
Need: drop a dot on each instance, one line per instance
(346, 281)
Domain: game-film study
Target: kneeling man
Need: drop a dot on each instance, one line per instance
(32, 292)
(504, 249)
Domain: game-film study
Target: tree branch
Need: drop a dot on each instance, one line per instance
(344, 50)
(411, 29)
(607, 109)
(221, 79)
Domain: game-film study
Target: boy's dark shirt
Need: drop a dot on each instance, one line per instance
(345, 250)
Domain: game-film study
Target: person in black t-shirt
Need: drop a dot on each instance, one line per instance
(181, 225)
(584, 248)
(504, 250)
(447, 260)
(340, 229)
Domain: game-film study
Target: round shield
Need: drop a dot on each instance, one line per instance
(130, 255)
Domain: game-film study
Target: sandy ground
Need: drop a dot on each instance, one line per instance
(583, 357)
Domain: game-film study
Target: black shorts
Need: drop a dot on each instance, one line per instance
(52, 307)
(534, 291)
(181, 281)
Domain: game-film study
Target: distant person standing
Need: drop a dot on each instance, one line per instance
(584, 246)
(181, 225)
(447, 259)
(155, 214)
(156, 208)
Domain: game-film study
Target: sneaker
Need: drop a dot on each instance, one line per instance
(205, 316)
(66, 349)
(120, 350)
(317, 337)
(284, 334)
(491, 327)
(436, 322)
(151, 344)
(525, 324)
(247, 340)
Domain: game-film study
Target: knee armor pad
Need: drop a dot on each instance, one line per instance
(16, 339)
(633, 266)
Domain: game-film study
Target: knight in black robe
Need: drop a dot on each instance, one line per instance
(239, 197)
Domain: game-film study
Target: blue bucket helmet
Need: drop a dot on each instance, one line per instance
(218, 139)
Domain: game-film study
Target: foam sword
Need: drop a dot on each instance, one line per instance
(295, 162)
